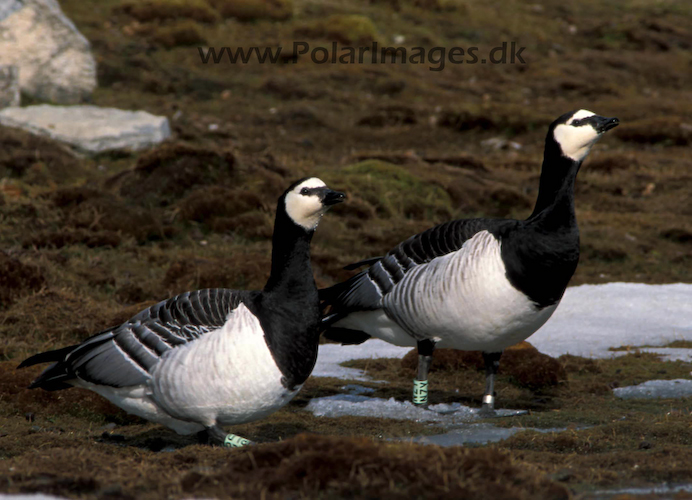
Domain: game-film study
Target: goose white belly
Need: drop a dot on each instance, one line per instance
(462, 300)
(227, 376)
(465, 301)
(136, 400)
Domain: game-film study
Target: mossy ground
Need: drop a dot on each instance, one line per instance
(76, 443)
(91, 241)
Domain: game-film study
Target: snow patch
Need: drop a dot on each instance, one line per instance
(332, 355)
(592, 318)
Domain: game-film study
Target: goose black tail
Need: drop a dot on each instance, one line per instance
(55, 376)
(343, 336)
(356, 293)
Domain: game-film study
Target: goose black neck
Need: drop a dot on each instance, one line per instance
(289, 302)
(555, 201)
(291, 269)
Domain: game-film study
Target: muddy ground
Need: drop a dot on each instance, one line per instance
(87, 242)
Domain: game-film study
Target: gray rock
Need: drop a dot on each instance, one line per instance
(54, 59)
(9, 86)
(90, 129)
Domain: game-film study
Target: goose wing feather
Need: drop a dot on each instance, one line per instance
(366, 290)
(125, 355)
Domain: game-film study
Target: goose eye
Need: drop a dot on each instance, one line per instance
(305, 191)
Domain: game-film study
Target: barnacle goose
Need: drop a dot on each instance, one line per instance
(214, 357)
(474, 284)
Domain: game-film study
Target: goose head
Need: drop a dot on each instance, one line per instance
(575, 132)
(307, 200)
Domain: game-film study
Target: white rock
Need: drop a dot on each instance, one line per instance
(9, 86)
(54, 59)
(90, 129)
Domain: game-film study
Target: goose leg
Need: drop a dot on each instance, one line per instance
(492, 363)
(219, 437)
(420, 384)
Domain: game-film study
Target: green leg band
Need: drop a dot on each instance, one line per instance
(420, 392)
(233, 441)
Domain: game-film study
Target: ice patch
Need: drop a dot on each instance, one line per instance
(664, 489)
(30, 496)
(453, 416)
(476, 434)
(357, 390)
(678, 388)
(342, 405)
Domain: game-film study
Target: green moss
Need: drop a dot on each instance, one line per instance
(680, 344)
(394, 191)
(344, 28)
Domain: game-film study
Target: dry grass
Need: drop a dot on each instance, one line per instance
(248, 10)
(309, 465)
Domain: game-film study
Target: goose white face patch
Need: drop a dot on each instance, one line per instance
(304, 206)
(576, 140)
(582, 113)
